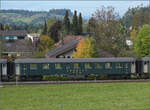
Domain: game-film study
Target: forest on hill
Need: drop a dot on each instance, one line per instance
(22, 18)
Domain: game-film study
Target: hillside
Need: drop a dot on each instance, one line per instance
(20, 17)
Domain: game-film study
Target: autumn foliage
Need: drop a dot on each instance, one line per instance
(86, 49)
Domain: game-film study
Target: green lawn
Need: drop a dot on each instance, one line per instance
(96, 96)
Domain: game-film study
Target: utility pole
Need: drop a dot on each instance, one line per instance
(1, 80)
(0, 45)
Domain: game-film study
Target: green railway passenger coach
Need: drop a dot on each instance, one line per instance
(74, 66)
(3, 67)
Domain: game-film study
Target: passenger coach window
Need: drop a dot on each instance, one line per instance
(58, 66)
(126, 65)
(76, 65)
(45, 66)
(118, 65)
(108, 65)
(98, 66)
(33, 66)
(145, 63)
(24, 67)
(67, 66)
(88, 66)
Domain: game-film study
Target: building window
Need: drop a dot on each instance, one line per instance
(33, 66)
(68, 57)
(87, 66)
(58, 66)
(118, 65)
(98, 66)
(45, 66)
(18, 55)
(108, 65)
(9, 55)
(76, 65)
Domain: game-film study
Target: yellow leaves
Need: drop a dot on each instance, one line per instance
(133, 35)
(86, 49)
(46, 43)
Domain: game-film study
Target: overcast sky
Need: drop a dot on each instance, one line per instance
(86, 7)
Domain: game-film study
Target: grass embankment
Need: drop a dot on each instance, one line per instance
(96, 96)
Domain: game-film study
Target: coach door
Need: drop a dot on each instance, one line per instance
(145, 67)
(0, 71)
(133, 67)
(4, 69)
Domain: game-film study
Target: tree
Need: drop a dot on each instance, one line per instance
(137, 21)
(1, 27)
(45, 29)
(86, 48)
(133, 34)
(50, 22)
(7, 27)
(55, 30)
(2, 46)
(137, 16)
(108, 33)
(45, 44)
(142, 42)
(80, 28)
(91, 24)
(75, 23)
(67, 22)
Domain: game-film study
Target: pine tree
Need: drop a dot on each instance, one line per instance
(1, 27)
(45, 29)
(91, 24)
(67, 22)
(7, 27)
(75, 23)
(80, 24)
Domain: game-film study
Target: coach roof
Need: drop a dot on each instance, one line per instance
(146, 59)
(59, 60)
(3, 61)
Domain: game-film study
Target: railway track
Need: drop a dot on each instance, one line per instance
(71, 82)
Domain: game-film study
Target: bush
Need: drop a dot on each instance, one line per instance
(90, 77)
(102, 76)
(54, 78)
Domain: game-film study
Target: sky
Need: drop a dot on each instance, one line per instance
(85, 7)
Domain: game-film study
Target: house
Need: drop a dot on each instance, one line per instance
(64, 51)
(16, 48)
(129, 42)
(13, 35)
(33, 37)
(65, 48)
